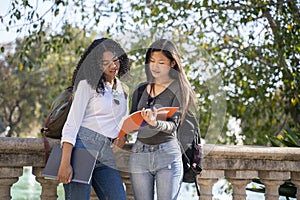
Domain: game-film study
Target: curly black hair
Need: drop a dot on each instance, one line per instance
(88, 67)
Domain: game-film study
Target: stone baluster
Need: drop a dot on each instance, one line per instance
(49, 187)
(50, 191)
(239, 180)
(272, 181)
(8, 176)
(295, 177)
(207, 180)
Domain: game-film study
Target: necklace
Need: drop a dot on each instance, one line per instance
(115, 92)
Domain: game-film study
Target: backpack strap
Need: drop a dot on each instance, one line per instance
(136, 96)
(197, 187)
(141, 88)
(46, 145)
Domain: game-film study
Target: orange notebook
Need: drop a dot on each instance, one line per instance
(135, 120)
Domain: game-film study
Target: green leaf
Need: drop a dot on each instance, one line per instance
(290, 136)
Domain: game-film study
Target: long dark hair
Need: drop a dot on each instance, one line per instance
(177, 72)
(88, 67)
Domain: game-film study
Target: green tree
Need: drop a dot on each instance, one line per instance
(252, 45)
(27, 92)
(18, 95)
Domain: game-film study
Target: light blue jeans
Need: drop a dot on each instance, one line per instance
(106, 179)
(156, 164)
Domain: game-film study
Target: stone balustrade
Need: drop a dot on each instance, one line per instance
(238, 164)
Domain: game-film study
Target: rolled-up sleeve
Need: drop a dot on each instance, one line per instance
(76, 114)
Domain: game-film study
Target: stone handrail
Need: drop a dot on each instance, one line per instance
(238, 164)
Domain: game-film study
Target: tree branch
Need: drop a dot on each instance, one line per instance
(273, 25)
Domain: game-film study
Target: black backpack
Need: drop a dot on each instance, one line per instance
(188, 135)
(58, 114)
(56, 118)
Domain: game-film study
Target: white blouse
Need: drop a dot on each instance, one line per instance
(94, 111)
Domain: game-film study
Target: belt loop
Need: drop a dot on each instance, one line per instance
(152, 148)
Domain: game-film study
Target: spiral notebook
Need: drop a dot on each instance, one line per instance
(83, 162)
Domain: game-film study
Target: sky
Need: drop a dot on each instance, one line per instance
(41, 7)
(4, 35)
(11, 35)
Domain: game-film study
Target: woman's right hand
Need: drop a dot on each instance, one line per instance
(65, 171)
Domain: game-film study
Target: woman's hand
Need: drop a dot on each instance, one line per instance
(119, 143)
(149, 115)
(65, 171)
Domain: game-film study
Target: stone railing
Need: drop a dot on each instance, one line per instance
(238, 164)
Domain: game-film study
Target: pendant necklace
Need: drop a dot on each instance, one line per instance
(115, 93)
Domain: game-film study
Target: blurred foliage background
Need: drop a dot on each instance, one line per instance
(242, 58)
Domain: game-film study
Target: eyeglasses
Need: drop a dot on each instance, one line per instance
(115, 94)
(106, 63)
(151, 101)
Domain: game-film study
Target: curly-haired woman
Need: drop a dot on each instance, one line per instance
(98, 107)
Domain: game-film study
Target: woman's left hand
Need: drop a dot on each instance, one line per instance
(119, 143)
(149, 115)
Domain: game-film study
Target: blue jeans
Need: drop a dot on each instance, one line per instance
(106, 179)
(156, 164)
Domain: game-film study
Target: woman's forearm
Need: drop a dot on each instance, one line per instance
(66, 152)
(65, 171)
